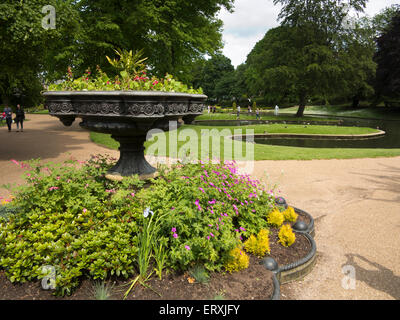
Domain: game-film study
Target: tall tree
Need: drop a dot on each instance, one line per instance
(280, 66)
(173, 33)
(217, 77)
(25, 44)
(388, 60)
(314, 28)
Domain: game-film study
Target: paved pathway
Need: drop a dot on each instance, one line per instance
(356, 204)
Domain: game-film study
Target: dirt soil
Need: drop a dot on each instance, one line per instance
(254, 283)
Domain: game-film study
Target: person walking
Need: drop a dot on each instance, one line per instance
(238, 112)
(8, 115)
(20, 117)
(258, 114)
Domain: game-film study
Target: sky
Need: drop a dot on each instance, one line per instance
(253, 18)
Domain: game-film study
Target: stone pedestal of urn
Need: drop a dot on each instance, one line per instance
(128, 116)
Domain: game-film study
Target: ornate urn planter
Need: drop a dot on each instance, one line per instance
(128, 116)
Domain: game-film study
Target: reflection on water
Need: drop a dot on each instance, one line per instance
(389, 141)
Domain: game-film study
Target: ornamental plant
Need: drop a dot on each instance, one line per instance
(132, 75)
(259, 246)
(290, 215)
(275, 218)
(71, 217)
(286, 236)
(238, 260)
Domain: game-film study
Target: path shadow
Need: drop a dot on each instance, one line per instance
(387, 179)
(382, 278)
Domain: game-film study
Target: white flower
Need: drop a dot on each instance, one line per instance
(147, 211)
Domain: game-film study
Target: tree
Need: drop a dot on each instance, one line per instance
(172, 33)
(356, 54)
(25, 45)
(388, 59)
(217, 77)
(313, 28)
(281, 66)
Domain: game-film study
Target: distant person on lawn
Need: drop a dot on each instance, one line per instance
(238, 112)
(8, 114)
(258, 114)
(20, 117)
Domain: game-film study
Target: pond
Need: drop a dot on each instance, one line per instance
(391, 140)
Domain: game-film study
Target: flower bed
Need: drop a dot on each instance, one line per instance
(193, 216)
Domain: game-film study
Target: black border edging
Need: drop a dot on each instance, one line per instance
(303, 260)
(310, 229)
(283, 274)
(279, 276)
(276, 295)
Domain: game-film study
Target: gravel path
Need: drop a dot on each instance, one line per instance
(355, 203)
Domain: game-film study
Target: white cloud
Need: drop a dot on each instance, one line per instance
(246, 26)
(253, 18)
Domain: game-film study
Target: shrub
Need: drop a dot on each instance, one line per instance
(290, 215)
(275, 218)
(71, 217)
(199, 274)
(259, 245)
(286, 236)
(238, 260)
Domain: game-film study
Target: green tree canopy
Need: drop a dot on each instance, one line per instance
(300, 58)
(172, 34)
(216, 76)
(388, 60)
(25, 45)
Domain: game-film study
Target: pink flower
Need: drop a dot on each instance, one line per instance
(202, 190)
(15, 162)
(175, 235)
(173, 230)
(84, 210)
(132, 194)
(53, 188)
(187, 247)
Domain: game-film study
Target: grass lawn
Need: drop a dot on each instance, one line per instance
(261, 152)
(369, 113)
(245, 116)
(40, 112)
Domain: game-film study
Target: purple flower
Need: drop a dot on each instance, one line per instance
(175, 235)
(187, 247)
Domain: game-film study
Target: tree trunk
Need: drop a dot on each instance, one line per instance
(302, 106)
(356, 102)
(300, 111)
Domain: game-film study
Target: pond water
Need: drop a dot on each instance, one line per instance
(391, 140)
